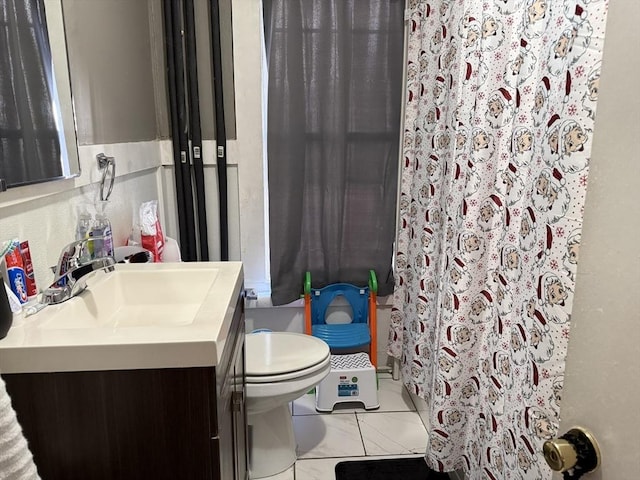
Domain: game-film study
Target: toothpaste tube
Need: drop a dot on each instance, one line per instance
(15, 272)
(32, 289)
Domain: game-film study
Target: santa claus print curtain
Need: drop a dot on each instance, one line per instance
(499, 114)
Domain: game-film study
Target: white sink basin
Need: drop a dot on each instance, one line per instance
(136, 298)
(142, 315)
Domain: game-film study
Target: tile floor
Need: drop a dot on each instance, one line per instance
(353, 433)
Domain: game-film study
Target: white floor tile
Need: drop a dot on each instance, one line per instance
(317, 469)
(422, 408)
(392, 433)
(306, 405)
(324, 468)
(394, 397)
(288, 474)
(321, 436)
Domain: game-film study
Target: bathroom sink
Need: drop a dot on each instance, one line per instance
(136, 297)
(141, 315)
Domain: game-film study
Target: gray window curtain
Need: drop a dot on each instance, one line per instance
(334, 104)
(28, 129)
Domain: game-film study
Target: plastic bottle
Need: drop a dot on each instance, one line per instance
(83, 228)
(96, 246)
(107, 245)
(102, 226)
(84, 223)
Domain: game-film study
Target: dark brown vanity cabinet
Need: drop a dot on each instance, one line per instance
(156, 424)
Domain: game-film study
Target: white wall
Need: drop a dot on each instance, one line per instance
(246, 167)
(44, 214)
(603, 364)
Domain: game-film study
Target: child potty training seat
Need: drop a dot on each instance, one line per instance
(353, 376)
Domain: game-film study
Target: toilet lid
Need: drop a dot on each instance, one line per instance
(275, 353)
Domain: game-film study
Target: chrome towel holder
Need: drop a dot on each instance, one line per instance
(108, 167)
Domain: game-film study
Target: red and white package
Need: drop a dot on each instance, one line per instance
(151, 235)
(32, 288)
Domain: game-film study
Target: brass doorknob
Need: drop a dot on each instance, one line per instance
(560, 454)
(577, 449)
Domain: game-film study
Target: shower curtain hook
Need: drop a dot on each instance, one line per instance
(104, 162)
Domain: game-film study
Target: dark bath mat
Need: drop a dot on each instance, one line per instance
(413, 468)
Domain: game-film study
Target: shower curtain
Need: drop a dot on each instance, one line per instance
(500, 105)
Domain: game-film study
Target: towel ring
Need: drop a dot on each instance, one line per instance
(104, 163)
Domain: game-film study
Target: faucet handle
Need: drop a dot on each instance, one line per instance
(54, 295)
(67, 259)
(75, 254)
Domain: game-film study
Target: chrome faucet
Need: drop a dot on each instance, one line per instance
(74, 266)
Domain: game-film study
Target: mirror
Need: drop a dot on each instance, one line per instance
(37, 128)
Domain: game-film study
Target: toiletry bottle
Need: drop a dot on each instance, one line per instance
(83, 229)
(103, 225)
(96, 246)
(84, 223)
(107, 245)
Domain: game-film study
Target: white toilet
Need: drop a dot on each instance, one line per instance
(280, 367)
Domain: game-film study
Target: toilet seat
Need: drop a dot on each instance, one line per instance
(297, 356)
(298, 374)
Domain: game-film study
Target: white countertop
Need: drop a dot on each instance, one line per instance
(56, 340)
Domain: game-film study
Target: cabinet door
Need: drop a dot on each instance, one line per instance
(117, 425)
(231, 439)
(224, 440)
(239, 411)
